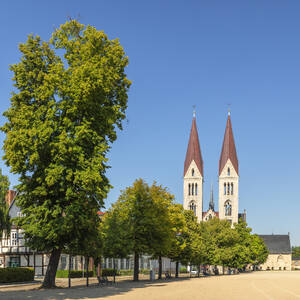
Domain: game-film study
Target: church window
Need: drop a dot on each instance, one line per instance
(193, 207)
(224, 188)
(192, 189)
(193, 172)
(228, 172)
(228, 188)
(228, 208)
(189, 189)
(231, 188)
(196, 189)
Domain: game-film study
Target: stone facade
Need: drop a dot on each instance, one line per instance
(193, 190)
(278, 262)
(229, 193)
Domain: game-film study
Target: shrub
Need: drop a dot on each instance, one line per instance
(183, 270)
(126, 272)
(73, 274)
(109, 272)
(16, 274)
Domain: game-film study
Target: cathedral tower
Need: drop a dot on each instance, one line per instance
(193, 174)
(228, 177)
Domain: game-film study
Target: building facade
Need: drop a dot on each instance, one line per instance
(228, 178)
(280, 252)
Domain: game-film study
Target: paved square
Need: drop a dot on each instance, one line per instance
(259, 285)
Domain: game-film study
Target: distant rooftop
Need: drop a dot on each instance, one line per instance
(277, 243)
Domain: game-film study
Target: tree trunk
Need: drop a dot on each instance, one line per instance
(159, 267)
(49, 279)
(136, 267)
(87, 270)
(177, 269)
(69, 273)
(114, 270)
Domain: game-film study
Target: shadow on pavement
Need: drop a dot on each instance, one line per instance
(81, 292)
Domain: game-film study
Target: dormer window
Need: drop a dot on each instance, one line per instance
(228, 172)
(193, 172)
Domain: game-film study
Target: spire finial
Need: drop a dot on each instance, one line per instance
(229, 110)
(194, 111)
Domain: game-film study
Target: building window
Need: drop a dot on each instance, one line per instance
(192, 189)
(224, 188)
(14, 261)
(14, 239)
(193, 207)
(196, 189)
(228, 172)
(63, 262)
(228, 188)
(189, 189)
(228, 208)
(193, 172)
(231, 188)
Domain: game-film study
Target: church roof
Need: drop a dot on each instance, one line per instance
(228, 149)
(193, 151)
(277, 243)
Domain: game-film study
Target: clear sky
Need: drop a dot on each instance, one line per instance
(185, 53)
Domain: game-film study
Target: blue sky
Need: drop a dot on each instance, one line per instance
(185, 53)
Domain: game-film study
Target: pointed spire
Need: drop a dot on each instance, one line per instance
(211, 202)
(228, 148)
(193, 151)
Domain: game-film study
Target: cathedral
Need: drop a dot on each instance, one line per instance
(228, 179)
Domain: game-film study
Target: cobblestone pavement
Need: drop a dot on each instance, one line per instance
(280, 285)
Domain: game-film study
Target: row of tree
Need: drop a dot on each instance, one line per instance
(146, 220)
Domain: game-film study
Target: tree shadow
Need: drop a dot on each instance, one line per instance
(94, 291)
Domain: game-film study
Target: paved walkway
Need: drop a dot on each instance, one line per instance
(259, 285)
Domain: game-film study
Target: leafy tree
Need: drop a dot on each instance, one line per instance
(296, 251)
(177, 241)
(163, 202)
(258, 250)
(62, 120)
(5, 222)
(138, 217)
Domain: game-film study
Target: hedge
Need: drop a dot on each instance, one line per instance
(73, 274)
(16, 274)
(109, 272)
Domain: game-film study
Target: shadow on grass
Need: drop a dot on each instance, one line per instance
(82, 292)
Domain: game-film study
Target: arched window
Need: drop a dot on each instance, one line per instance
(193, 207)
(231, 188)
(196, 189)
(193, 172)
(224, 188)
(189, 189)
(228, 172)
(228, 188)
(192, 189)
(228, 208)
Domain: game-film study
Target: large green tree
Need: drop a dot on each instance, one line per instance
(5, 222)
(63, 118)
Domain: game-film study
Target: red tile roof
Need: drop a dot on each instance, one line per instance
(228, 149)
(193, 151)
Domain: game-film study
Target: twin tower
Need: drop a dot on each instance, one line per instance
(228, 178)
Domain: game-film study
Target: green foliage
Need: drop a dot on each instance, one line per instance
(16, 275)
(61, 123)
(110, 272)
(296, 251)
(5, 222)
(73, 274)
(183, 270)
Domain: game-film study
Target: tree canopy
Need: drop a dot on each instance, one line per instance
(70, 97)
